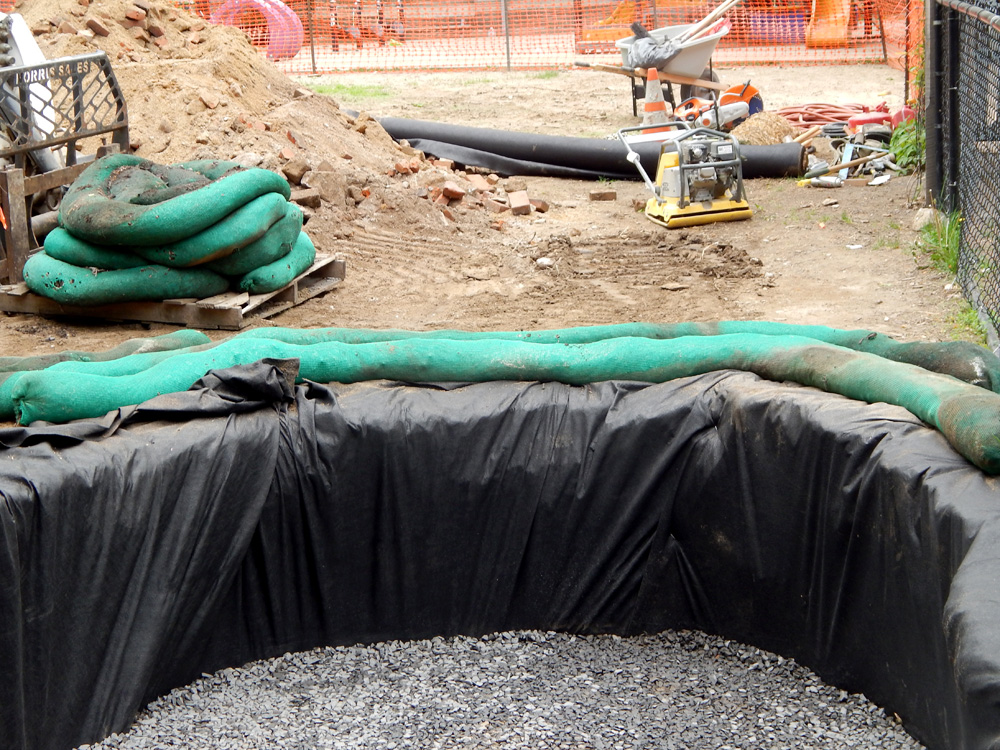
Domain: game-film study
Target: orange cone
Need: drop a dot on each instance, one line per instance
(655, 107)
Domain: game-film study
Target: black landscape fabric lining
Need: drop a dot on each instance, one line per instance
(247, 517)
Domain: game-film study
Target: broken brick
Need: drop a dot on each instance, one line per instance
(287, 153)
(479, 183)
(540, 205)
(135, 14)
(495, 207)
(520, 204)
(451, 190)
(209, 99)
(442, 200)
(97, 27)
(493, 179)
(67, 28)
(444, 163)
(447, 214)
(140, 33)
(603, 195)
(156, 30)
(295, 170)
(402, 167)
(307, 197)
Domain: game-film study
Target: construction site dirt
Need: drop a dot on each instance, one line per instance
(844, 258)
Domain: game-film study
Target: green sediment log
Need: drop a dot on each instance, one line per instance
(274, 275)
(73, 285)
(968, 416)
(134, 350)
(91, 211)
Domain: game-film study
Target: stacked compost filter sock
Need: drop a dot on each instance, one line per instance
(133, 230)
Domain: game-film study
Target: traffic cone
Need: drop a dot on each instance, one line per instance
(655, 107)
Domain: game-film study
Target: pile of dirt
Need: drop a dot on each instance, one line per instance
(195, 90)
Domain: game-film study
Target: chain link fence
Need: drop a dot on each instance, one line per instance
(963, 141)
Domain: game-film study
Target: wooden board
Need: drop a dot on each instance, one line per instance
(230, 311)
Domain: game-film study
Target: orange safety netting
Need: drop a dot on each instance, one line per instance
(307, 36)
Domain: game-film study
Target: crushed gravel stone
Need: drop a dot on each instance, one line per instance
(676, 690)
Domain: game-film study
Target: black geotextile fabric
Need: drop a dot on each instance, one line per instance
(246, 518)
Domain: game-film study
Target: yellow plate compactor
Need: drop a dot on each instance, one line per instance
(699, 175)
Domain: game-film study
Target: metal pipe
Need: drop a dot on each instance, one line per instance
(312, 34)
(42, 224)
(932, 101)
(506, 29)
(973, 11)
(952, 153)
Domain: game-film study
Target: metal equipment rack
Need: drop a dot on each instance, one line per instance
(47, 109)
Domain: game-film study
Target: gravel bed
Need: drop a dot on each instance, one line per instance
(683, 690)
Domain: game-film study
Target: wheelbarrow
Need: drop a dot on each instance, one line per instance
(690, 67)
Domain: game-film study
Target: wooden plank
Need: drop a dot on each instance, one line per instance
(699, 82)
(16, 229)
(56, 178)
(321, 262)
(65, 176)
(15, 289)
(226, 299)
(229, 311)
(150, 312)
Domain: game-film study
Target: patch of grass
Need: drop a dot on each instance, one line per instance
(940, 240)
(846, 218)
(886, 243)
(966, 325)
(547, 74)
(350, 91)
(908, 144)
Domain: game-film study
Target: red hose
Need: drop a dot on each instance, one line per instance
(805, 116)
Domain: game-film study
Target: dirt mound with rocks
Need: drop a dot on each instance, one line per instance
(195, 90)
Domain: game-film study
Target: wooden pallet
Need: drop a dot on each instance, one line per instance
(229, 311)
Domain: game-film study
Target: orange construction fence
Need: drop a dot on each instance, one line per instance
(322, 36)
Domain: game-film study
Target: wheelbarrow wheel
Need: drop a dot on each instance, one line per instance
(700, 92)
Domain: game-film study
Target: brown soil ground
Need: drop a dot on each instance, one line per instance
(842, 258)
